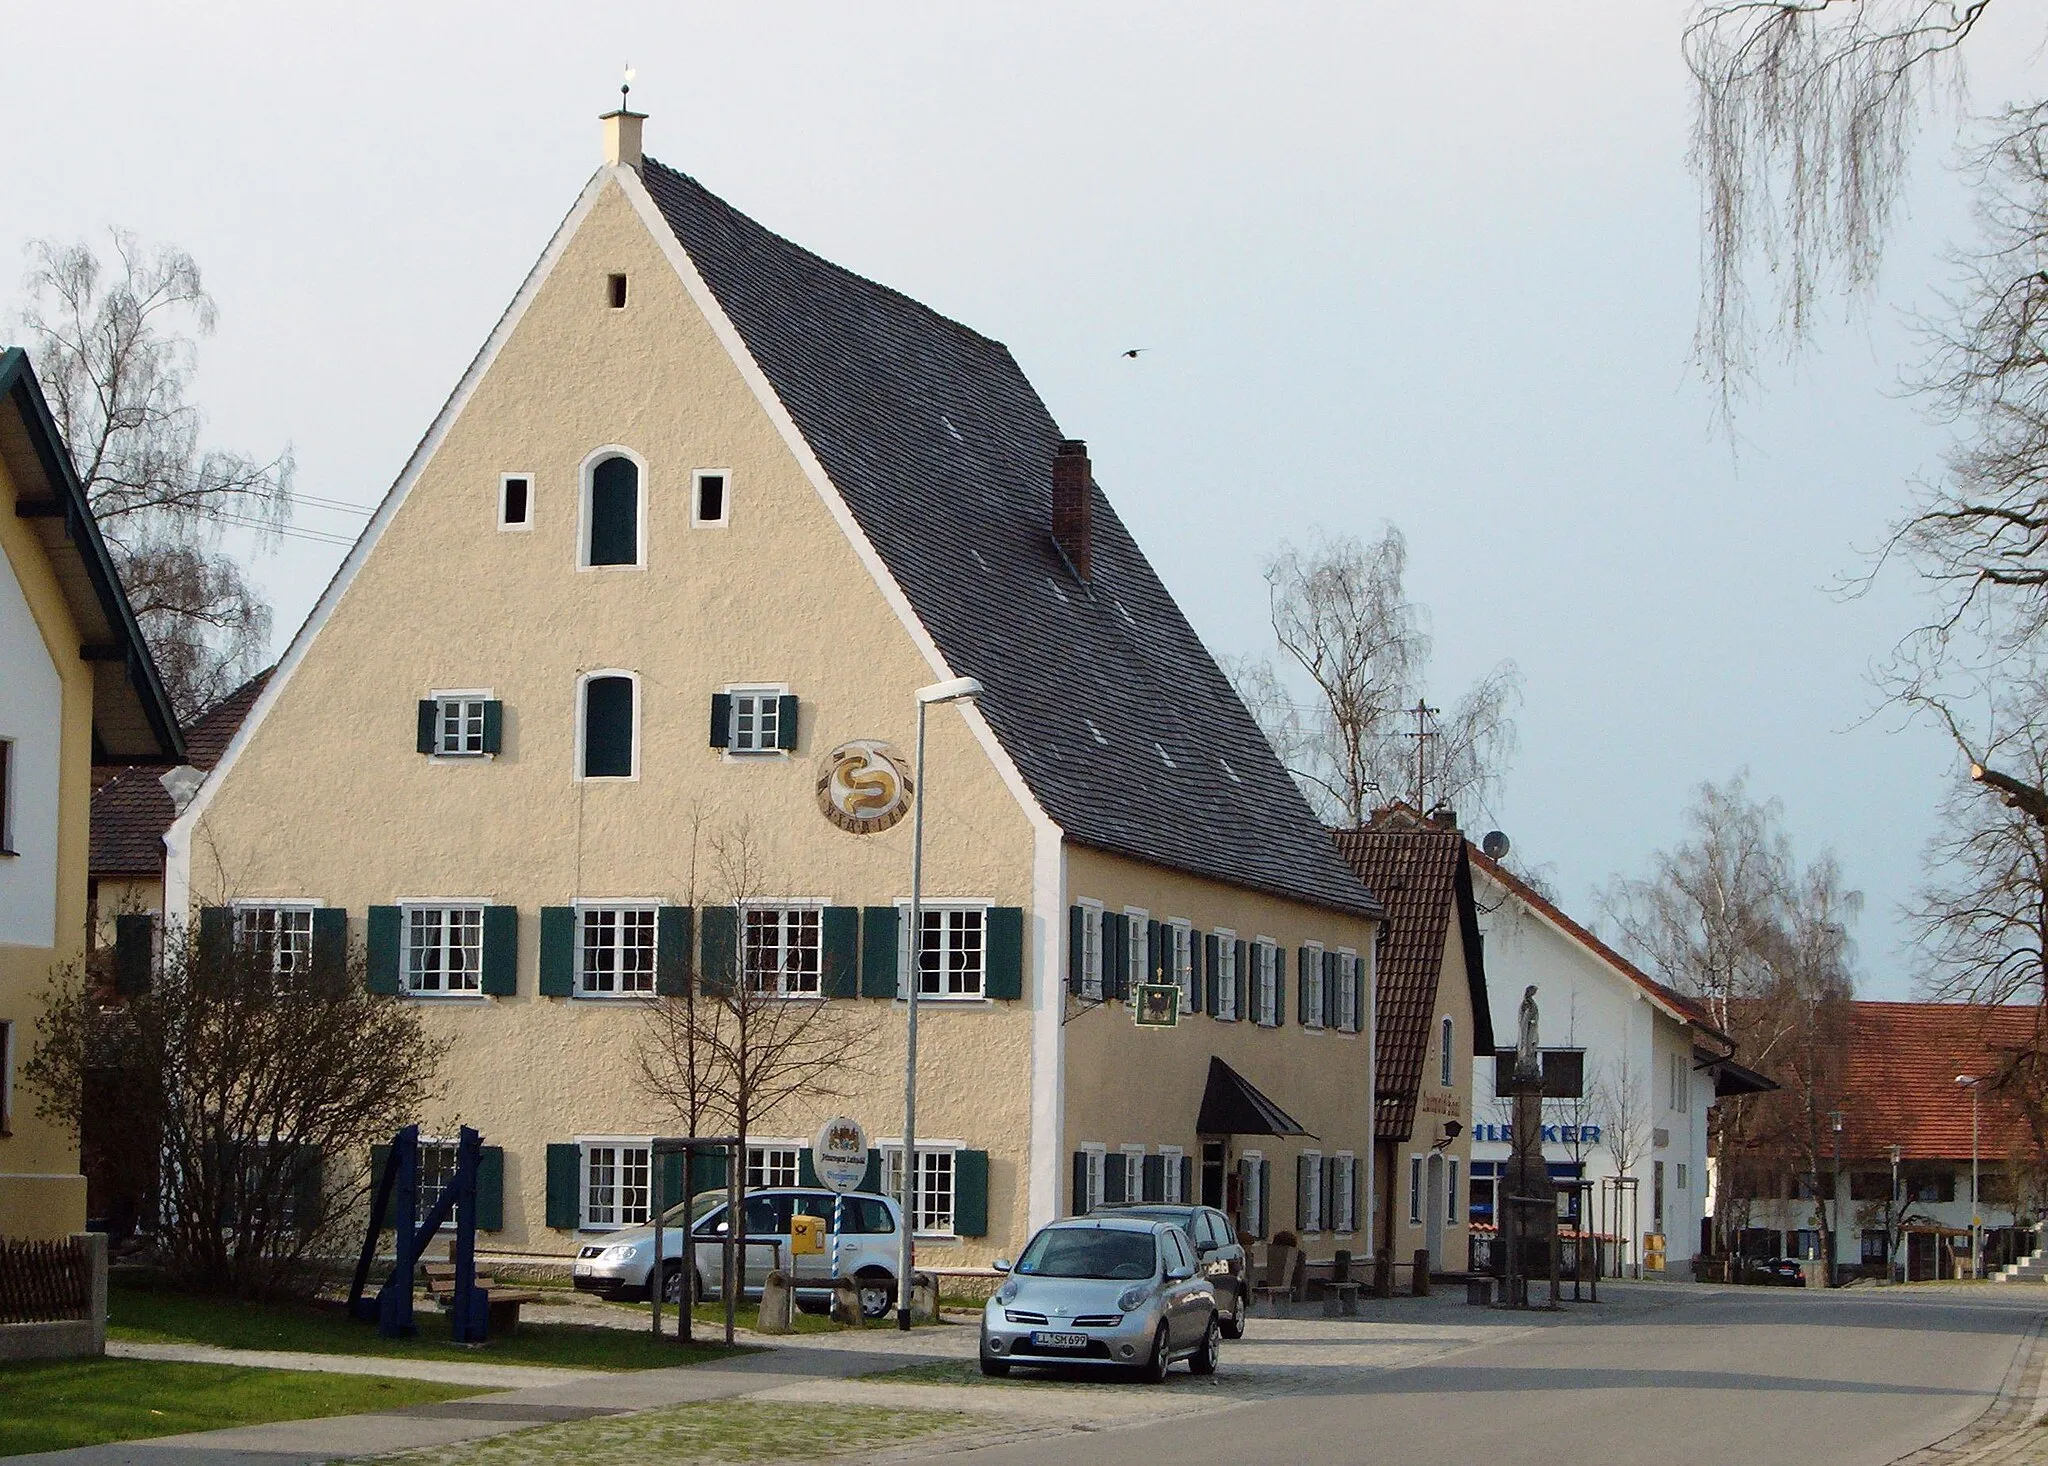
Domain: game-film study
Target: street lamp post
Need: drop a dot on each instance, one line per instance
(1976, 1087)
(1892, 1217)
(960, 689)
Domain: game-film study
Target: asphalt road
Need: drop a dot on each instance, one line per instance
(1743, 1377)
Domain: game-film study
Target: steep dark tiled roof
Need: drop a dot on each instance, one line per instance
(1422, 878)
(130, 810)
(1118, 718)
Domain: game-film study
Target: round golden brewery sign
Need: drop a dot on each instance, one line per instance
(863, 787)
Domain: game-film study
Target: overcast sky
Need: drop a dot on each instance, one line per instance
(1432, 264)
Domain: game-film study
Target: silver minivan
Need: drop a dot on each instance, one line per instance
(863, 1243)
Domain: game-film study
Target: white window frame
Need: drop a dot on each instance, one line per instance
(619, 1222)
(1097, 1154)
(697, 477)
(1347, 990)
(1344, 1203)
(586, 474)
(772, 692)
(1135, 918)
(908, 951)
(1451, 1217)
(1172, 1161)
(1447, 1039)
(1414, 1190)
(892, 1183)
(1265, 983)
(1091, 949)
(584, 909)
(1253, 1203)
(406, 908)
(1681, 1176)
(1312, 1224)
(423, 1201)
(1181, 961)
(239, 909)
(783, 1155)
(785, 908)
(440, 697)
(1312, 1012)
(1681, 1084)
(504, 487)
(1133, 1157)
(583, 681)
(1226, 962)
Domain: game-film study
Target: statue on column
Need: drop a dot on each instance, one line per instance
(1528, 1054)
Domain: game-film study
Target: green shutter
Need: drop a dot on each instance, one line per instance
(1279, 990)
(490, 1188)
(878, 952)
(970, 1193)
(806, 1173)
(615, 513)
(1212, 959)
(1077, 948)
(330, 940)
(1077, 1198)
(216, 938)
(494, 726)
(1119, 943)
(608, 717)
(429, 724)
(871, 1178)
(1114, 1170)
(1004, 953)
(1155, 950)
(1195, 971)
(565, 1179)
(1265, 1197)
(134, 952)
(380, 972)
(721, 949)
(839, 940)
(308, 1184)
(1302, 1220)
(1187, 1179)
(1304, 961)
(1333, 968)
(1359, 994)
(1243, 975)
(557, 951)
(501, 951)
(707, 1171)
(672, 951)
(671, 1179)
(380, 1157)
(1153, 1179)
(785, 723)
(721, 720)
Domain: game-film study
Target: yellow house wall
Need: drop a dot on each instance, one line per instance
(329, 799)
(1131, 1086)
(122, 896)
(1437, 1103)
(42, 1193)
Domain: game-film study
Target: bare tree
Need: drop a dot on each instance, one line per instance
(114, 349)
(1367, 735)
(254, 1093)
(1623, 1100)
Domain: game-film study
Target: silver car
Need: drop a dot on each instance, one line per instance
(1119, 1292)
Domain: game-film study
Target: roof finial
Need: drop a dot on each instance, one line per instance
(625, 86)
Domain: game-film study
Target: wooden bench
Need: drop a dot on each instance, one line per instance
(501, 1305)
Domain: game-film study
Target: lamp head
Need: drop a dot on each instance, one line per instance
(959, 689)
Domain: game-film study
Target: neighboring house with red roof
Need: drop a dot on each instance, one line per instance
(1901, 1088)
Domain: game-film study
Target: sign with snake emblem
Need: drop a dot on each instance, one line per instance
(863, 787)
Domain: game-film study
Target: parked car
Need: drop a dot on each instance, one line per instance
(1784, 1272)
(622, 1266)
(1103, 1291)
(1218, 1253)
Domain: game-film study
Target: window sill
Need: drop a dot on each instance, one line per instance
(754, 755)
(951, 1239)
(951, 1000)
(477, 998)
(460, 758)
(648, 995)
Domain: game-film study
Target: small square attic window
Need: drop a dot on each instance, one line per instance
(617, 286)
(515, 493)
(711, 503)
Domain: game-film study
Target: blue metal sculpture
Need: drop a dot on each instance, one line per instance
(397, 1197)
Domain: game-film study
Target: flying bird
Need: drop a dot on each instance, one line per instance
(1133, 352)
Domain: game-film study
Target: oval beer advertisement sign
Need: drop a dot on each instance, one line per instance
(863, 787)
(840, 1154)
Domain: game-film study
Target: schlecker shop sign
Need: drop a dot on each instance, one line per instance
(1552, 1134)
(863, 787)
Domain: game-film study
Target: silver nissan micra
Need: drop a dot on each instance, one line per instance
(1118, 1292)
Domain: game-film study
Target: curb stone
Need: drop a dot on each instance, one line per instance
(2004, 1435)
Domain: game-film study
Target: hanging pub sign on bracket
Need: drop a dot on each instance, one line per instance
(1155, 1005)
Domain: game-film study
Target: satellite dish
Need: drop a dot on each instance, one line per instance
(1495, 844)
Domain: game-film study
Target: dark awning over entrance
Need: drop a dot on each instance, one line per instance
(1732, 1078)
(1232, 1106)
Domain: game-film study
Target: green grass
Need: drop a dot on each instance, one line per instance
(57, 1404)
(714, 1430)
(150, 1316)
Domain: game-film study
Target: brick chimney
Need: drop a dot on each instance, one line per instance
(1072, 507)
(622, 138)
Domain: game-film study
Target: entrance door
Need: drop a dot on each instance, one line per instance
(1212, 1175)
(1433, 1209)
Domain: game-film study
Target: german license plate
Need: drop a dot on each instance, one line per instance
(1042, 1339)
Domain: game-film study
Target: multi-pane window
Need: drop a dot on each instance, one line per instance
(279, 938)
(459, 727)
(1265, 983)
(756, 719)
(951, 951)
(1347, 993)
(1343, 1193)
(1681, 1082)
(1312, 988)
(1091, 951)
(436, 1174)
(1171, 1161)
(615, 949)
(1311, 1218)
(1224, 977)
(1132, 1159)
(444, 949)
(1138, 959)
(617, 1178)
(782, 950)
(934, 1186)
(773, 1165)
(1183, 968)
(1091, 1189)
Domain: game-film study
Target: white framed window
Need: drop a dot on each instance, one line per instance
(615, 949)
(436, 1173)
(277, 935)
(1681, 1082)
(608, 725)
(515, 501)
(1311, 1218)
(934, 1185)
(1681, 1175)
(1347, 992)
(711, 498)
(444, 950)
(1181, 963)
(618, 1174)
(459, 724)
(775, 1163)
(1265, 982)
(1132, 1159)
(756, 720)
(1343, 1192)
(1446, 1034)
(1093, 1156)
(1138, 956)
(952, 950)
(1171, 1160)
(612, 534)
(1225, 975)
(1091, 949)
(1451, 1190)
(1312, 987)
(1251, 1219)
(783, 950)
(1415, 1190)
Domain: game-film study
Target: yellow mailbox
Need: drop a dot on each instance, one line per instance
(806, 1235)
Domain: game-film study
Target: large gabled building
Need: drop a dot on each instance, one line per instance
(663, 577)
